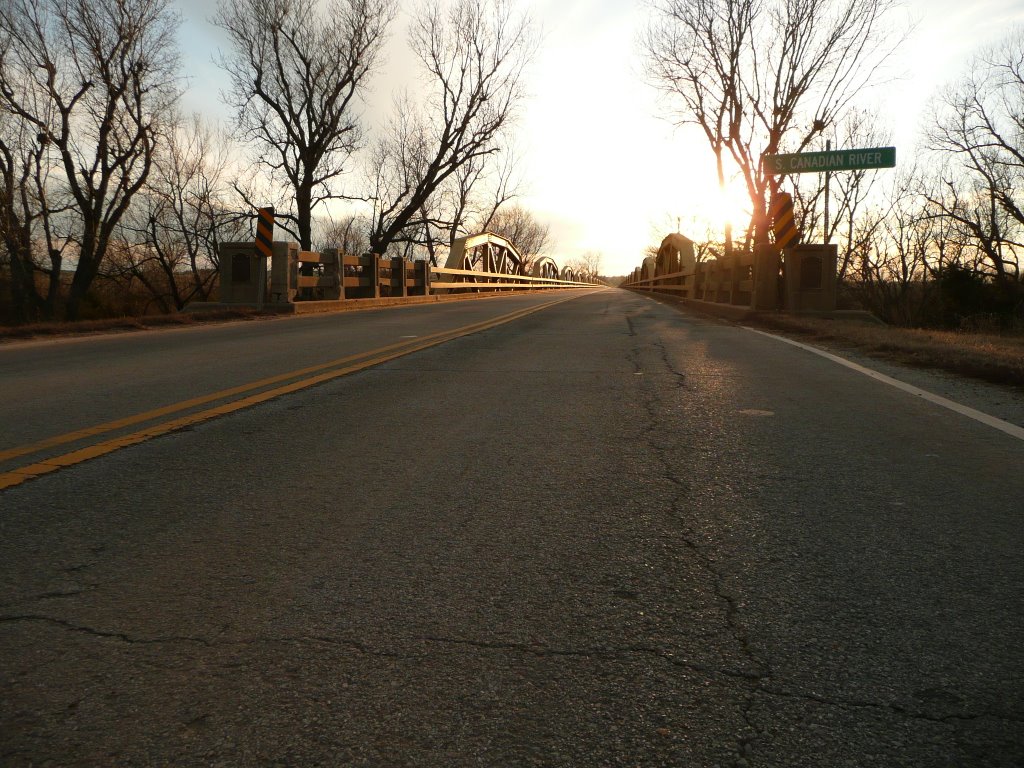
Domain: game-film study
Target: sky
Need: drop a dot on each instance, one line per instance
(602, 164)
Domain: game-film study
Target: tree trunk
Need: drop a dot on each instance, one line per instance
(717, 148)
(53, 289)
(21, 285)
(85, 273)
(304, 215)
(27, 302)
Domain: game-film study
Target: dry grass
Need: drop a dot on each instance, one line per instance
(85, 327)
(997, 358)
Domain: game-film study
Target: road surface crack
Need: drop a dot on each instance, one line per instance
(679, 376)
(656, 403)
(601, 652)
(844, 703)
(359, 647)
(54, 594)
(106, 634)
(654, 426)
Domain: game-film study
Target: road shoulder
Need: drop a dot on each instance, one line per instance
(1002, 401)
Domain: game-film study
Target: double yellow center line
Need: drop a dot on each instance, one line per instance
(243, 396)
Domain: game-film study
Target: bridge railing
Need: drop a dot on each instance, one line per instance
(466, 280)
(373, 277)
(306, 277)
(726, 280)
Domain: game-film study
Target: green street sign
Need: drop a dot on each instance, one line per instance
(837, 160)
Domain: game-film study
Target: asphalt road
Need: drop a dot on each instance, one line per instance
(603, 534)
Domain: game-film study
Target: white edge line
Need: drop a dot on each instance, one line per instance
(990, 421)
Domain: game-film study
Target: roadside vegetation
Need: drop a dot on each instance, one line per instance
(113, 202)
(935, 243)
(934, 248)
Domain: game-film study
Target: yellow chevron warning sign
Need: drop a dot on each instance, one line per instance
(783, 224)
(265, 232)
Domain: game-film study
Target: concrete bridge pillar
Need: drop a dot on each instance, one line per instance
(811, 278)
(766, 277)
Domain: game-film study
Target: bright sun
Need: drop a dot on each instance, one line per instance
(730, 205)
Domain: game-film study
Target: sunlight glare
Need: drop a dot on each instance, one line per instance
(729, 205)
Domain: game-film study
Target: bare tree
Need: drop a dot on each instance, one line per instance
(707, 243)
(350, 234)
(850, 221)
(473, 54)
(592, 261)
(979, 126)
(174, 229)
(482, 189)
(762, 76)
(587, 266)
(295, 73)
(463, 204)
(22, 173)
(522, 228)
(92, 79)
(893, 267)
(978, 222)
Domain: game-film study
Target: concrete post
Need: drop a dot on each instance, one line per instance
(375, 276)
(284, 270)
(329, 264)
(425, 266)
(811, 277)
(766, 277)
(398, 273)
(242, 272)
